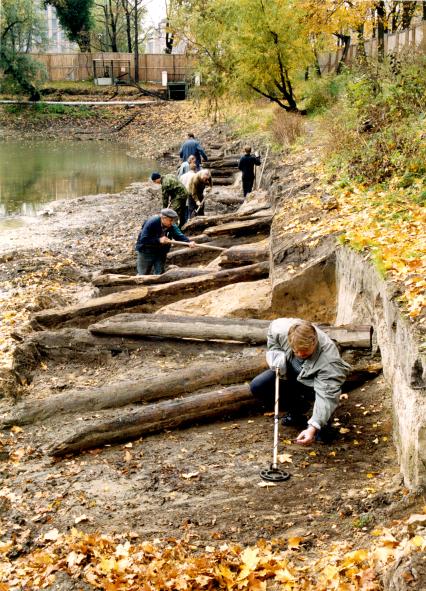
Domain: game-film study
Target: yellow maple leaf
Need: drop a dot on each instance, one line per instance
(250, 557)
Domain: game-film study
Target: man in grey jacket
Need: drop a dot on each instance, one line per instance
(311, 370)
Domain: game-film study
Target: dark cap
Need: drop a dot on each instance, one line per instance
(155, 176)
(169, 213)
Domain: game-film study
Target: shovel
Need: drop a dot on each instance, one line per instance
(273, 473)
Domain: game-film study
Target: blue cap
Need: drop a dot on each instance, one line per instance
(155, 176)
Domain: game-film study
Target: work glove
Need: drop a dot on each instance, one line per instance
(277, 359)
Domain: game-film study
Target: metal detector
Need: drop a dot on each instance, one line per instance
(273, 473)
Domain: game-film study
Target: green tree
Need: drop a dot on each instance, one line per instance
(75, 19)
(248, 46)
(21, 28)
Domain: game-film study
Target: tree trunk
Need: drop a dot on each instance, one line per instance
(245, 254)
(247, 227)
(346, 40)
(113, 280)
(157, 417)
(136, 41)
(155, 296)
(226, 199)
(83, 41)
(381, 14)
(173, 383)
(158, 327)
(200, 223)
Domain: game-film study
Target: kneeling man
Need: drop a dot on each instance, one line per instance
(311, 371)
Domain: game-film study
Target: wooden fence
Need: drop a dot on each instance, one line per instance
(413, 38)
(79, 66)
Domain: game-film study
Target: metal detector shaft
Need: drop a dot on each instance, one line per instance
(276, 418)
(179, 243)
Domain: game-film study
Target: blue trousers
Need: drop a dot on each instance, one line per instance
(146, 261)
(295, 398)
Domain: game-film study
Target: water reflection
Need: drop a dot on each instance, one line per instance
(34, 173)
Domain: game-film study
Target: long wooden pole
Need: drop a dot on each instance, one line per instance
(179, 243)
(263, 167)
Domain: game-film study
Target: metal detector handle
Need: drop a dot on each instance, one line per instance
(276, 417)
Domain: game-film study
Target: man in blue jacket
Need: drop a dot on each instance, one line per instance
(192, 148)
(153, 242)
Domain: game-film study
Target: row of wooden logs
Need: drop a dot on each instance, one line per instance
(173, 399)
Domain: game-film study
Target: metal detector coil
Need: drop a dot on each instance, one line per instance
(274, 474)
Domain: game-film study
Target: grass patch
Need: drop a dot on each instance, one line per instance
(40, 110)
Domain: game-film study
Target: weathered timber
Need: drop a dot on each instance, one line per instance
(174, 383)
(223, 171)
(248, 330)
(201, 222)
(245, 254)
(154, 295)
(153, 418)
(111, 280)
(176, 330)
(224, 182)
(225, 161)
(226, 199)
(253, 226)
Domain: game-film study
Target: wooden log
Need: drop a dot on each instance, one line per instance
(224, 182)
(248, 330)
(160, 416)
(154, 295)
(110, 280)
(225, 161)
(176, 330)
(199, 223)
(245, 254)
(167, 385)
(226, 199)
(244, 227)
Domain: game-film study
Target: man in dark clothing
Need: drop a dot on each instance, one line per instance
(246, 165)
(192, 148)
(153, 242)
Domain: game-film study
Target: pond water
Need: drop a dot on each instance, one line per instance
(32, 173)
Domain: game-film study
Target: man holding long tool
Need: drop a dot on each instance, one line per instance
(155, 239)
(174, 194)
(311, 371)
(196, 186)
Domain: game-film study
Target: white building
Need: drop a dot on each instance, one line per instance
(156, 40)
(57, 41)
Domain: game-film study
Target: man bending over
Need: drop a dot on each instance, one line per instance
(311, 371)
